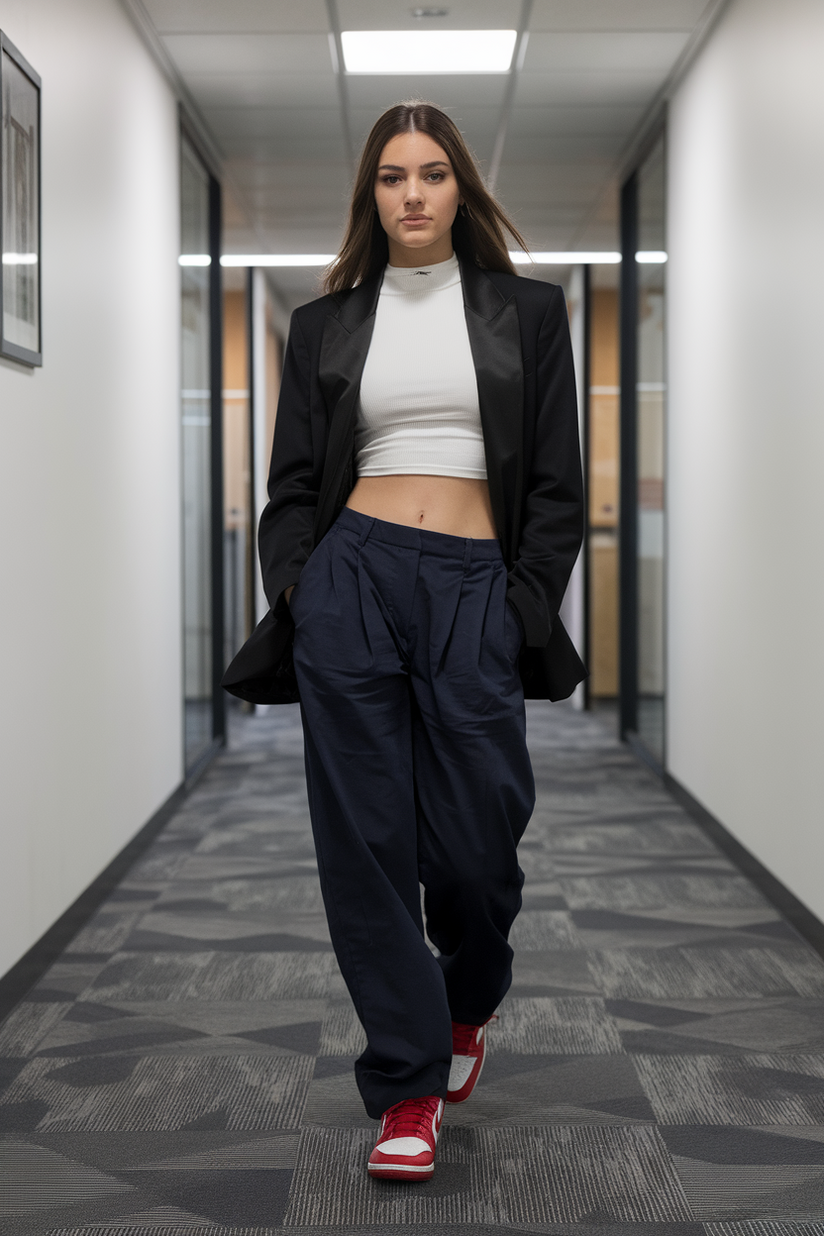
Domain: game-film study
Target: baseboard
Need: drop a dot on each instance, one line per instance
(31, 967)
(634, 741)
(794, 911)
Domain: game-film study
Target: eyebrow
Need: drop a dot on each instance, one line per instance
(393, 167)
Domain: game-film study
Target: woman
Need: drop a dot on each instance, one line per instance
(425, 513)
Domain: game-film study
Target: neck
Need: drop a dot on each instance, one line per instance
(402, 255)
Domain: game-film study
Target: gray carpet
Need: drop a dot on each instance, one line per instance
(185, 1068)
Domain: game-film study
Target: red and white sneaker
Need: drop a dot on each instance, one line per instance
(468, 1052)
(405, 1149)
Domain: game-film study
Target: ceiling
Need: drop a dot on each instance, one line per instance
(262, 75)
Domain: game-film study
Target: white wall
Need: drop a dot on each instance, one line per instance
(89, 475)
(746, 434)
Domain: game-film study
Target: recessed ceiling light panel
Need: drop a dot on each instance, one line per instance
(428, 51)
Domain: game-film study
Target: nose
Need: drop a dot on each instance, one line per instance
(414, 193)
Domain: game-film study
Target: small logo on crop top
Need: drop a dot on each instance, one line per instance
(423, 272)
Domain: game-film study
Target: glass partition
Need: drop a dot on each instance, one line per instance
(650, 429)
(196, 429)
(643, 456)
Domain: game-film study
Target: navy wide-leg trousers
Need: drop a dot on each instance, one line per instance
(418, 773)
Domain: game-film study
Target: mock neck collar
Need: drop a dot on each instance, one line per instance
(402, 280)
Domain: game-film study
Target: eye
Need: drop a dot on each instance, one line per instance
(436, 176)
(391, 179)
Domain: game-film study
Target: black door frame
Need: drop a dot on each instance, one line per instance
(628, 454)
(215, 446)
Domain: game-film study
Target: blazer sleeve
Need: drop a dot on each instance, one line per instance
(553, 510)
(285, 535)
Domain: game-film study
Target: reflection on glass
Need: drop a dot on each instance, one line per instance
(651, 405)
(197, 458)
(21, 242)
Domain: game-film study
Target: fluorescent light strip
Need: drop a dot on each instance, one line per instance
(428, 51)
(560, 258)
(277, 259)
(20, 259)
(194, 259)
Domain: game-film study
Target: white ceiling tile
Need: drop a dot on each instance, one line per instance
(313, 178)
(289, 148)
(249, 53)
(552, 149)
(616, 14)
(580, 121)
(241, 16)
(397, 15)
(527, 182)
(587, 89)
(289, 90)
(446, 92)
(280, 124)
(596, 53)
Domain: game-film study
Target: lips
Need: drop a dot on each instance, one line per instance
(415, 219)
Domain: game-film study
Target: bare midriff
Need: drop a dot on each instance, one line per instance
(455, 505)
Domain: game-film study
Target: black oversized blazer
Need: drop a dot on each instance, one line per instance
(519, 337)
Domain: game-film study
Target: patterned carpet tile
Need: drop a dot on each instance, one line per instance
(155, 1226)
(27, 1025)
(779, 970)
(105, 934)
(745, 1090)
(657, 836)
(555, 972)
(162, 1092)
(174, 931)
(731, 1027)
(731, 928)
(300, 894)
(565, 1025)
(765, 1228)
(531, 1175)
(535, 930)
(743, 1192)
(658, 891)
(530, 1089)
(261, 1030)
(217, 976)
(543, 895)
(657, 1069)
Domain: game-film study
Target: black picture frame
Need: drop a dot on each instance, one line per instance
(14, 65)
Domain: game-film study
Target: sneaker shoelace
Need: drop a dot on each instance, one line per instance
(465, 1039)
(409, 1118)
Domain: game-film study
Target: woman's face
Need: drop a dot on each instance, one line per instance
(417, 197)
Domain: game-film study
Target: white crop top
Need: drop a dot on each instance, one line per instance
(419, 409)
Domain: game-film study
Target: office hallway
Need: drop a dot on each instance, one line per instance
(658, 1067)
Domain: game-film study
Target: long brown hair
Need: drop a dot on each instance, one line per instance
(478, 230)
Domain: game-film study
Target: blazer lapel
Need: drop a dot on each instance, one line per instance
(495, 340)
(344, 347)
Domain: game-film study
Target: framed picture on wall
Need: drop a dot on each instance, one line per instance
(20, 330)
